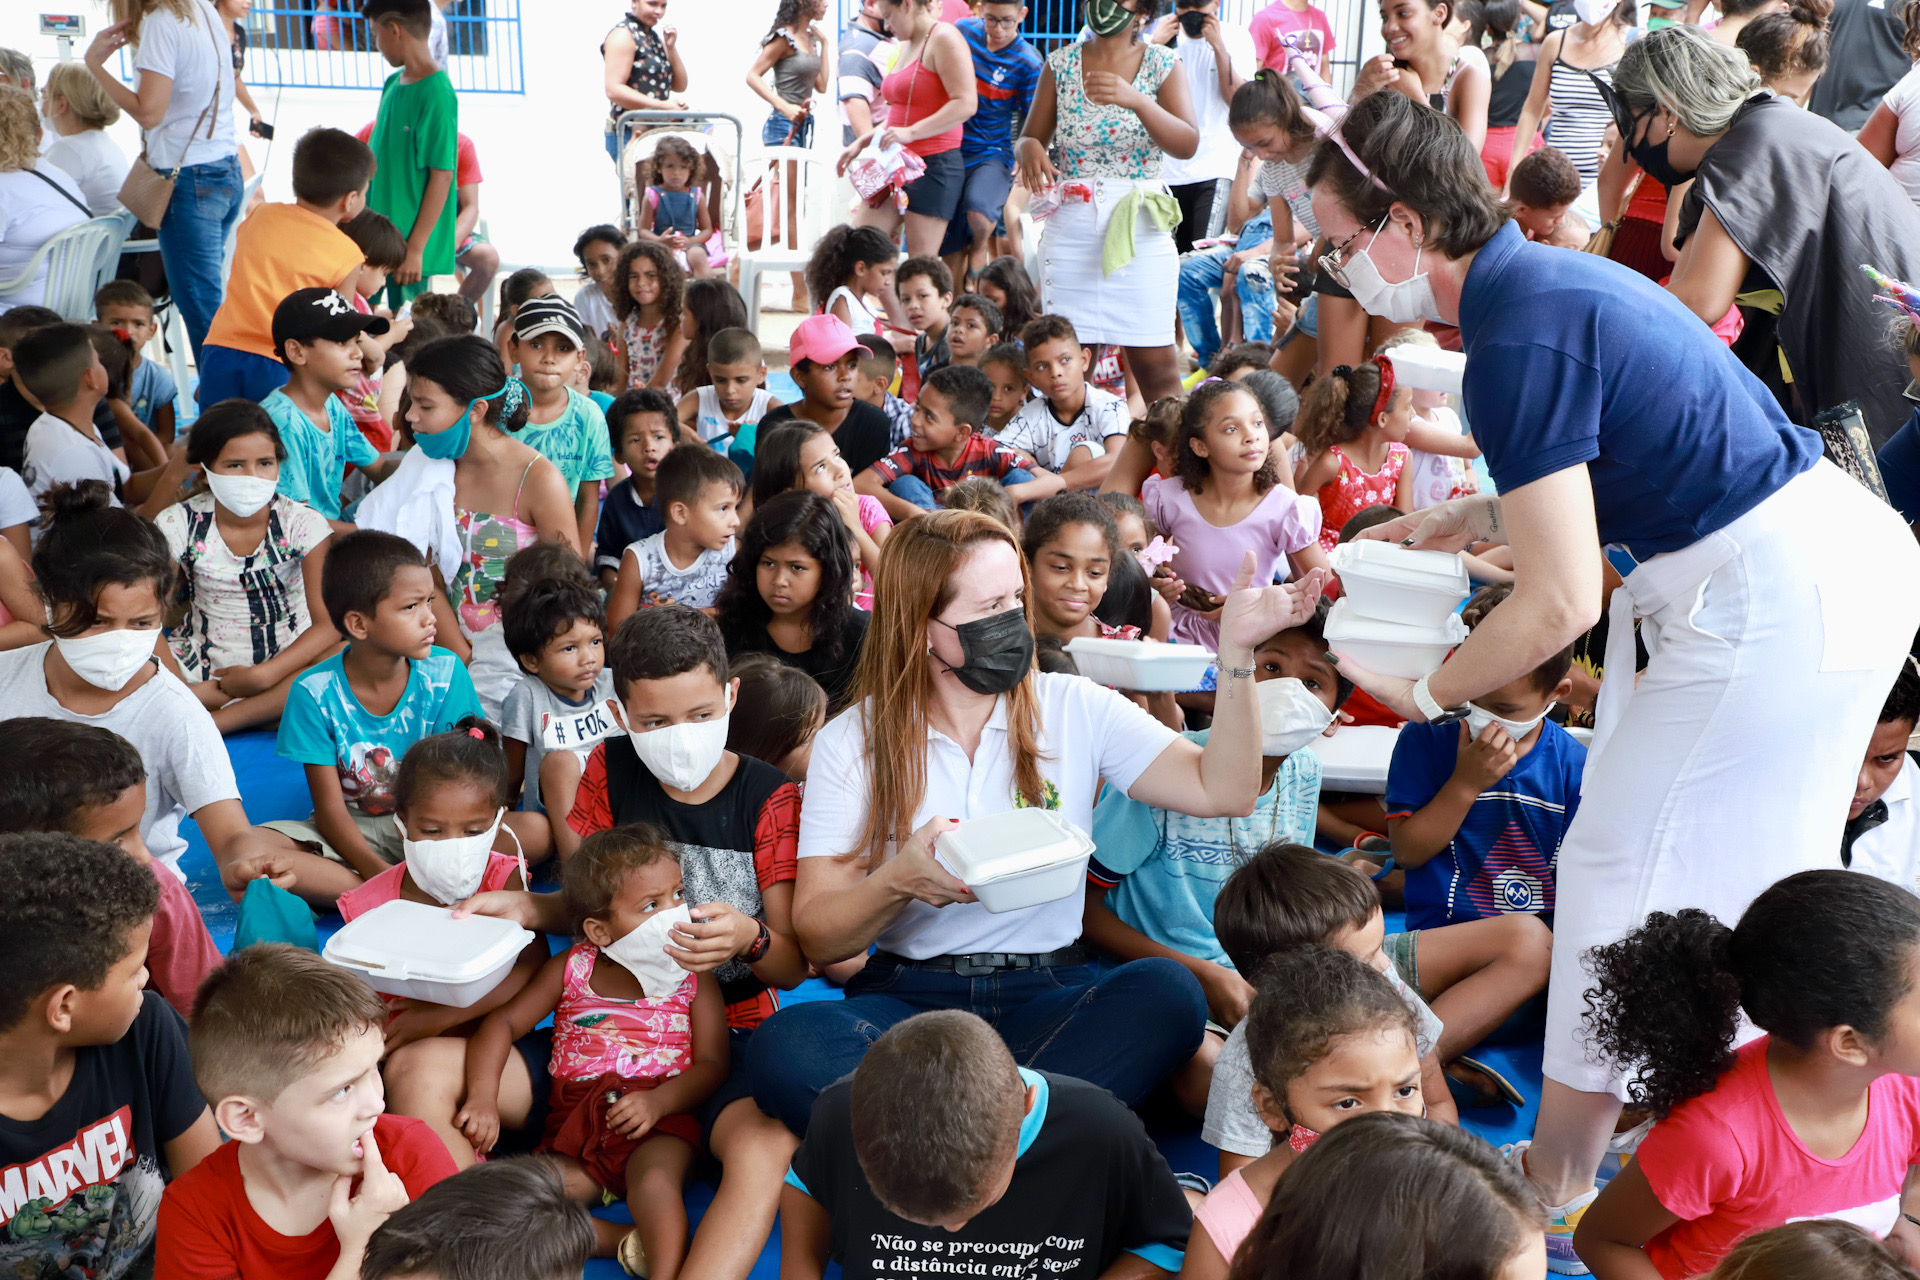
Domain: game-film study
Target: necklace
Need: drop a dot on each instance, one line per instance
(1273, 820)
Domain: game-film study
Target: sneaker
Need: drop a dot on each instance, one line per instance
(1561, 1220)
(1621, 1148)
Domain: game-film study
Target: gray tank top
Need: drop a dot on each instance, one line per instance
(793, 75)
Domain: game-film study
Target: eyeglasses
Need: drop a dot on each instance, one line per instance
(1333, 261)
(1001, 24)
(1912, 391)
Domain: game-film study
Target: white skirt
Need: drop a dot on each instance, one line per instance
(1133, 307)
(1772, 644)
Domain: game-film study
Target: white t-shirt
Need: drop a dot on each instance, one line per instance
(437, 36)
(96, 162)
(199, 59)
(16, 501)
(596, 313)
(32, 213)
(186, 760)
(1219, 153)
(1087, 733)
(1035, 430)
(1904, 101)
(1891, 850)
(57, 454)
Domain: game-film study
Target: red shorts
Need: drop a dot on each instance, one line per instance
(577, 1127)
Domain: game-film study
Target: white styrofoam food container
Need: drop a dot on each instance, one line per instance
(1020, 858)
(1356, 758)
(1148, 666)
(1392, 648)
(1428, 368)
(410, 949)
(1393, 584)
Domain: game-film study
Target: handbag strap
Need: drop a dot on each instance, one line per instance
(1626, 201)
(220, 65)
(65, 194)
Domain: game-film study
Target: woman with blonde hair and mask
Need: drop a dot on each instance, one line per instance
(951, 721)
(1609, 415)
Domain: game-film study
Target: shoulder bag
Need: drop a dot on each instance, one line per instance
(147, 192)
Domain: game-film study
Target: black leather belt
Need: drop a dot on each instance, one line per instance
(983, 963)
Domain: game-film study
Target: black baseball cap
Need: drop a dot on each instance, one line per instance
(548, 314)
(306, 314)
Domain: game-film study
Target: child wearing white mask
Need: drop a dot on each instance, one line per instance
(638, 1046)
(1476, 810)
(251, 563)
(1154, 873)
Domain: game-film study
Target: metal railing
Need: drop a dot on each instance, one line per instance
(325, 44)
(1052, 23)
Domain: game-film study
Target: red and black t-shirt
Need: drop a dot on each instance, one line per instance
(732, 848)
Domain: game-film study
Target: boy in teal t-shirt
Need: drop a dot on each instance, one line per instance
(564, 427)
(416, 145)
(316, 334)
(351, 719)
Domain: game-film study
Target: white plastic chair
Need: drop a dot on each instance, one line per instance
(786, 245)
(77, 262)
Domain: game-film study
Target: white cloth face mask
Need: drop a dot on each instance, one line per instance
(1593, 12)
(449, 870)
(242, 495)
(110, 659)
(643, 952)
(1291, 715)
(1478, 720)
(683, 755)
(1406, 302)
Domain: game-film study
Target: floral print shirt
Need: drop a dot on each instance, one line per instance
(646, 343)
(596, 1035)
(1105, 142)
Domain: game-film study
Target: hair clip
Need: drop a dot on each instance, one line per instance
(1898, 294)
(477, 733)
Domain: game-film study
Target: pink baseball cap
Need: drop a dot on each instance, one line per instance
(822, 339)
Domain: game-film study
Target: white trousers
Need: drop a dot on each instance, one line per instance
(1773, 644)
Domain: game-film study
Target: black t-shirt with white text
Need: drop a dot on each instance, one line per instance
(1088, 1185)
(80, 1187)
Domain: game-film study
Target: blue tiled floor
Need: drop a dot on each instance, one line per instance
(275, 788)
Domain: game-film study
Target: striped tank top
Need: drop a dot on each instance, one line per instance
(1580, 117)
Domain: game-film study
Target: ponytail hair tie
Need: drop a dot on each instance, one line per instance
(476, 733)
(1343, 371)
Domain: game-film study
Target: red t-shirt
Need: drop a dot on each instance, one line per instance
(1729, 1164)
(181, 952)
(1279, 19)
(209, 1231)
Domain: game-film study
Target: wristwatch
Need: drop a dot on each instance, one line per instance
(757, 949)
(1432, 710)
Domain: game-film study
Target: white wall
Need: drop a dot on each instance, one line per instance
(547, 172)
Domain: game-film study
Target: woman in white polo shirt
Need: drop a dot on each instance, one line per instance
(953, 722)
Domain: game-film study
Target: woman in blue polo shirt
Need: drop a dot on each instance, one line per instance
(1609, 414)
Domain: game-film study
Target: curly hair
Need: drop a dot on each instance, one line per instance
(1817, 950)
(67, 906)
(673, 284)
(1051, 515)
(838, 252)
(1338, 407)
(1193, 470)
(19, 130)
(1310, 997)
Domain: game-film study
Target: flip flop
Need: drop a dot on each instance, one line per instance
(1503, 1086)
(633, 1255)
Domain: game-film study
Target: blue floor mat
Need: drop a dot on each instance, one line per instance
(274, 788)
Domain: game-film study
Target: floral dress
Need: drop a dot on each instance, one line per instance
(1092, 141)
(646, 343)
(1354, 490)
(241, 610)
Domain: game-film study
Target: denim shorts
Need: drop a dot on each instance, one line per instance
(774, 132)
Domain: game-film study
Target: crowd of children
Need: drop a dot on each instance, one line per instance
(549, 619)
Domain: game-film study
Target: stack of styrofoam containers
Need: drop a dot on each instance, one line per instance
(1396, 614)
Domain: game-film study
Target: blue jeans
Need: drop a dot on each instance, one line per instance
(1202, 272)
(915, 490)
(226, 373)
(1125, 1030)
(774, 132)
(193, 240)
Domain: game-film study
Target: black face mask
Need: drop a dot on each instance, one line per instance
(1192, 21)
(997, 652)
(1652, 158)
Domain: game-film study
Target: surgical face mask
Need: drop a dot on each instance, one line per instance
(643, 952)
(1291, 716)
(1652, 157)
(110, 659)
(1405, 302)
(1193, 22)
(1478, 720)
(1593, 12)
(449, 870)
(996, 651)
(683, 755)
(1108, 17)
(242, 495)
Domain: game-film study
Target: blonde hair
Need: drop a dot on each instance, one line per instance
(84, 95)
(19, 130)
(895, 676)
(137, 10)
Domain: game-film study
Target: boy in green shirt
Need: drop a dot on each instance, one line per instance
(415, 145)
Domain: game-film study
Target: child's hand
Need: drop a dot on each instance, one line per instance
(1105, 89)
(479, 1122)
(241, 682)
(1485, 760)
(847, 503)
(356, 1217)
(718, 934)
(1036, 167)
(1168, 584)
(501, 904)
(410, 271)
(1228, 995)
(236, 876)
(632, 1115)
(410, 1020)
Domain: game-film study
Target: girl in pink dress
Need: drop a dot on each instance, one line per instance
(1328, 1039)
(1354, 424)
(629, 1067)
(1230, 493)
